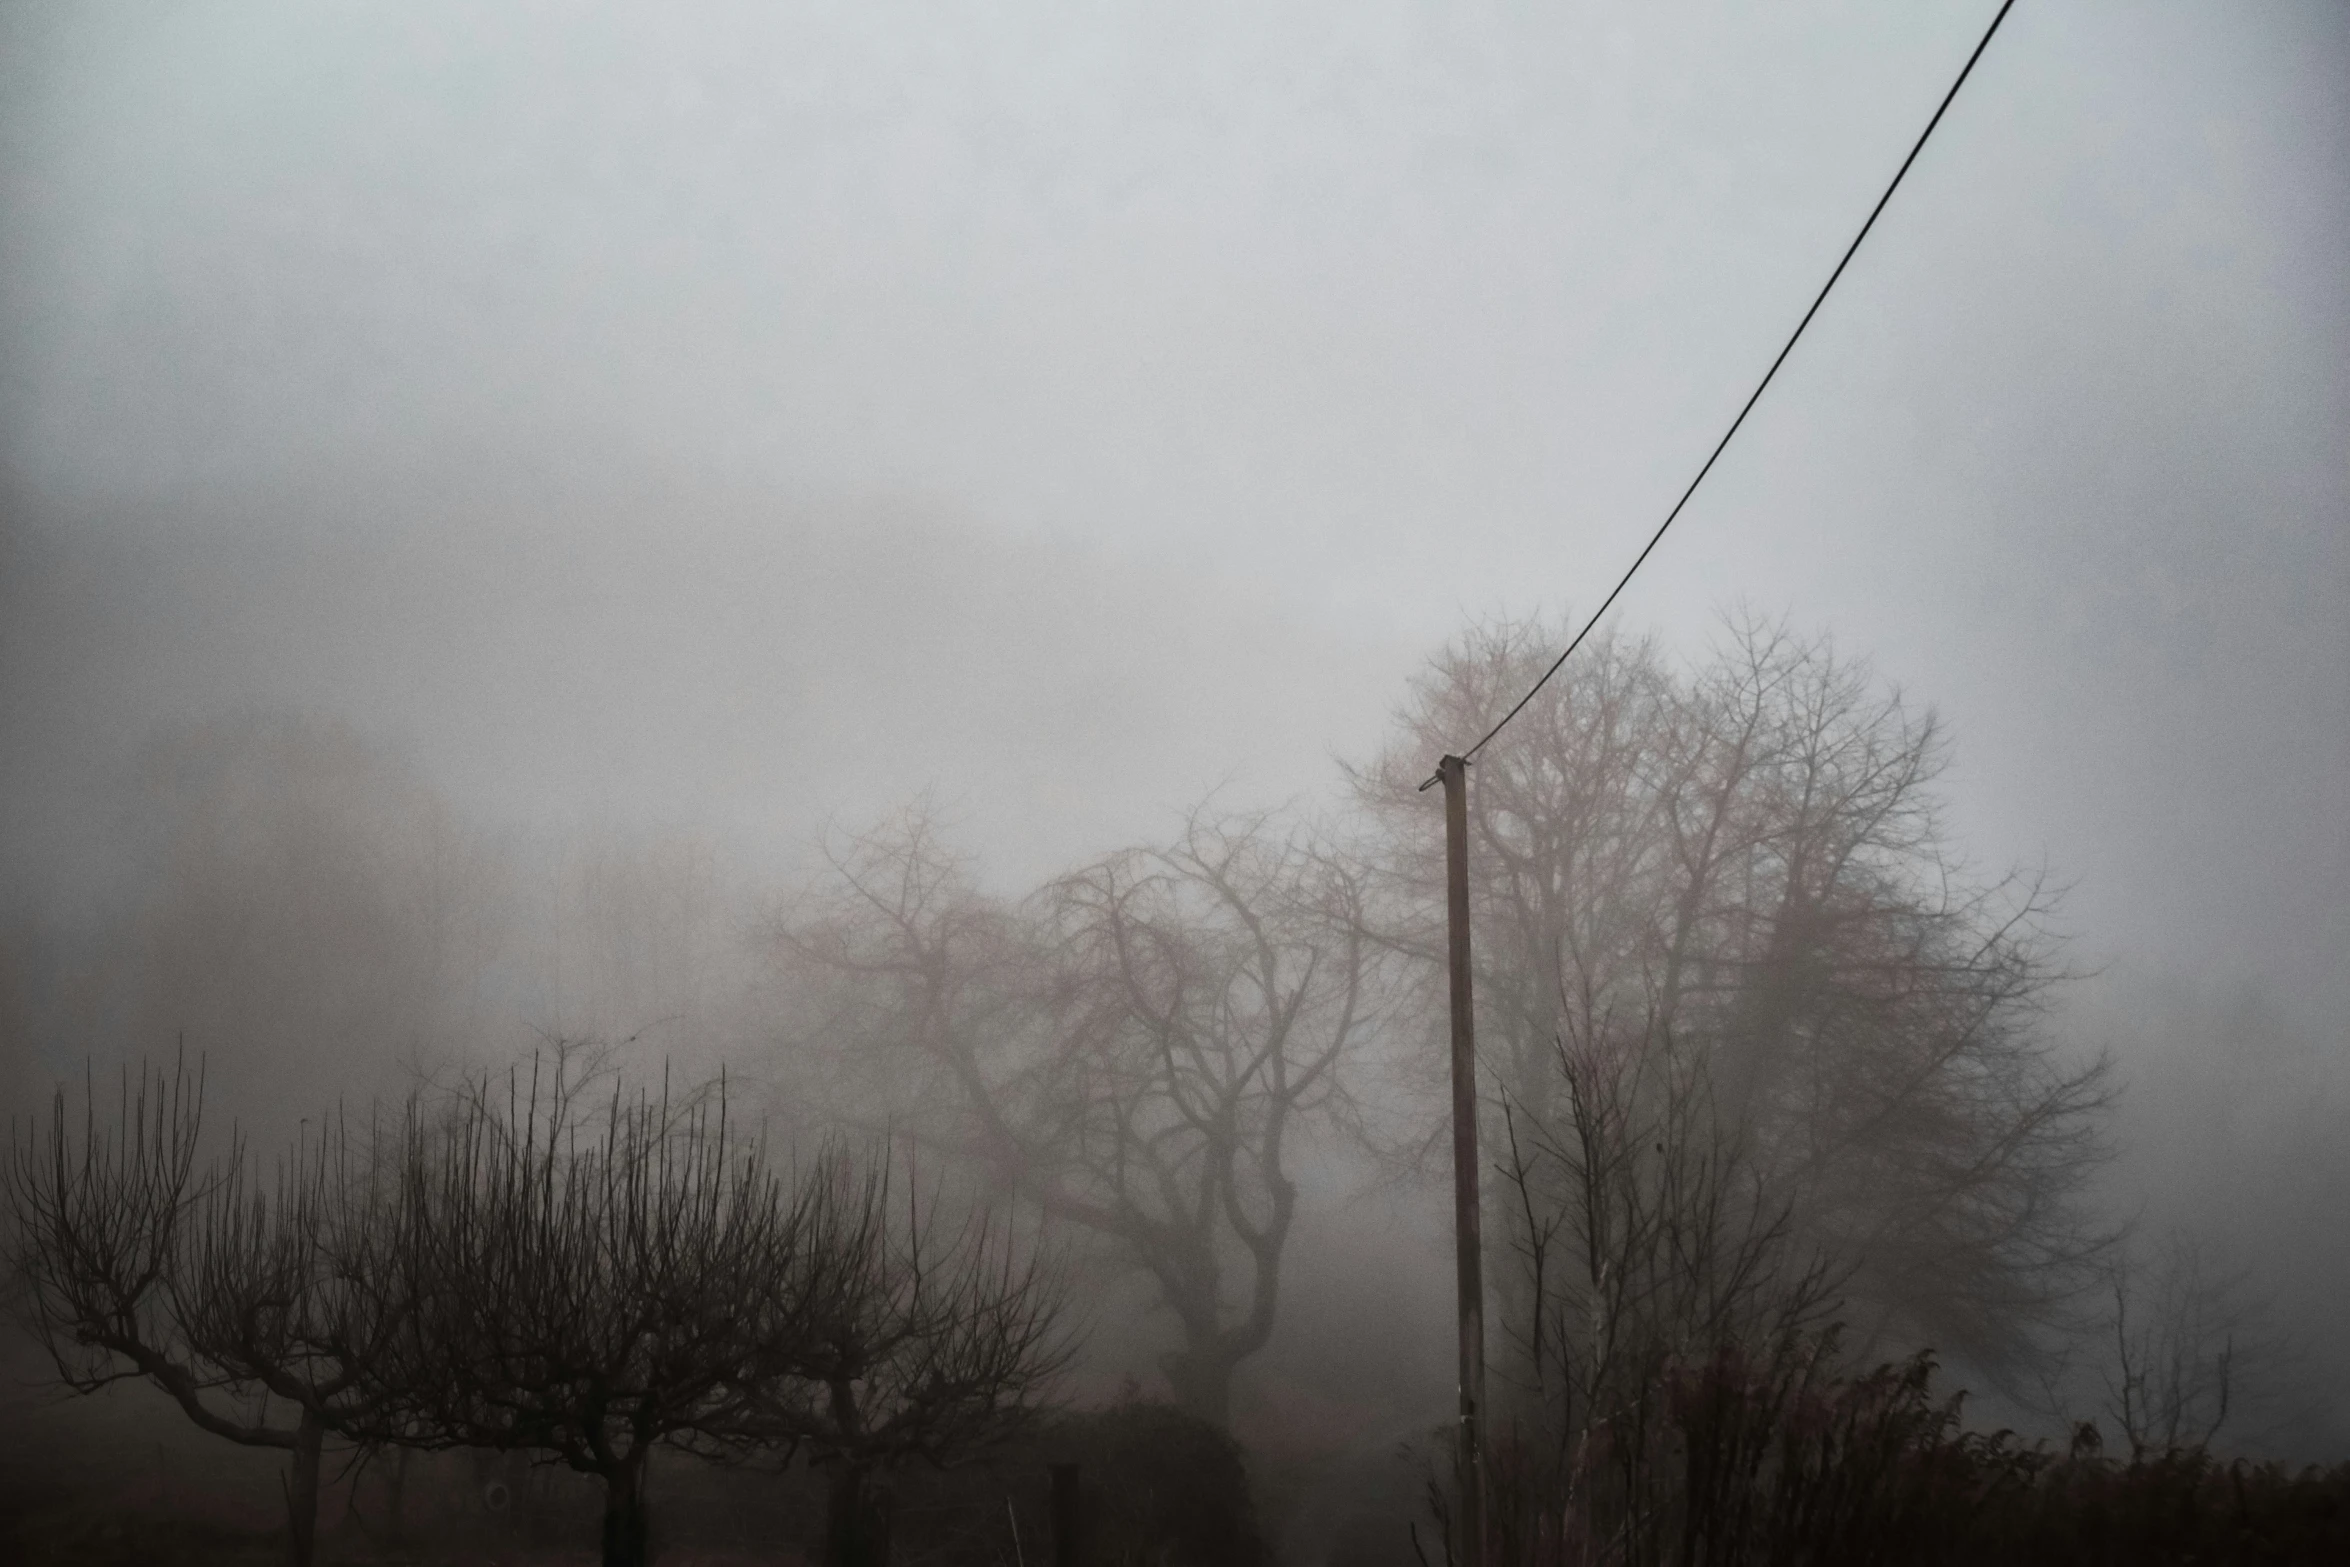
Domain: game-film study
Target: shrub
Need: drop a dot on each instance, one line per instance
(1780, 1460)
(1158, 1486)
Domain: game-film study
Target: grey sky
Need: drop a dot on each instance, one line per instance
(732, 414)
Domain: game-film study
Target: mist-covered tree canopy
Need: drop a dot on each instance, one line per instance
(1744, 861)
(1139, 1048)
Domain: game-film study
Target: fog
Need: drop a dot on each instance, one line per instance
(648, 438)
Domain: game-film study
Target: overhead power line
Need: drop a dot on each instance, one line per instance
(1658, 536)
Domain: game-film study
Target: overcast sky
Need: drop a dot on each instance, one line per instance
(725, 416)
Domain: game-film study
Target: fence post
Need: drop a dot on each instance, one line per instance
(1065, 1521)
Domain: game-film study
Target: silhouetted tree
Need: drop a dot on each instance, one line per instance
(594, 1281)
(2192, 1352)
(1748, 860)
(927, 1343)
(1133, 1049)
(1645, 1244)
(598, 1278)
(259, 1308)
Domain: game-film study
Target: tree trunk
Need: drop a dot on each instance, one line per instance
(1202, 1383)
(856, 1520)
(302, 1490)
(626, 1518)
(396, 1500)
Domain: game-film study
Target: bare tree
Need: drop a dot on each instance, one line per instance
(929, 1343)
(2188, 1349)
(1133, 1049)
(257, 1308)
(1648, 1236)
(598, 1278)
(1749, 860)
(1688, 1396)
(594, 1281)
(528, 1271)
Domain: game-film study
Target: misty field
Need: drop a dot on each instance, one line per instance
(1161, 1491)
(1782, 1152)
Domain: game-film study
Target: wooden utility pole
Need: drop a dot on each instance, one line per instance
(1468, 1240)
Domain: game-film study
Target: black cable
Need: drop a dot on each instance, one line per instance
(1849, 251)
